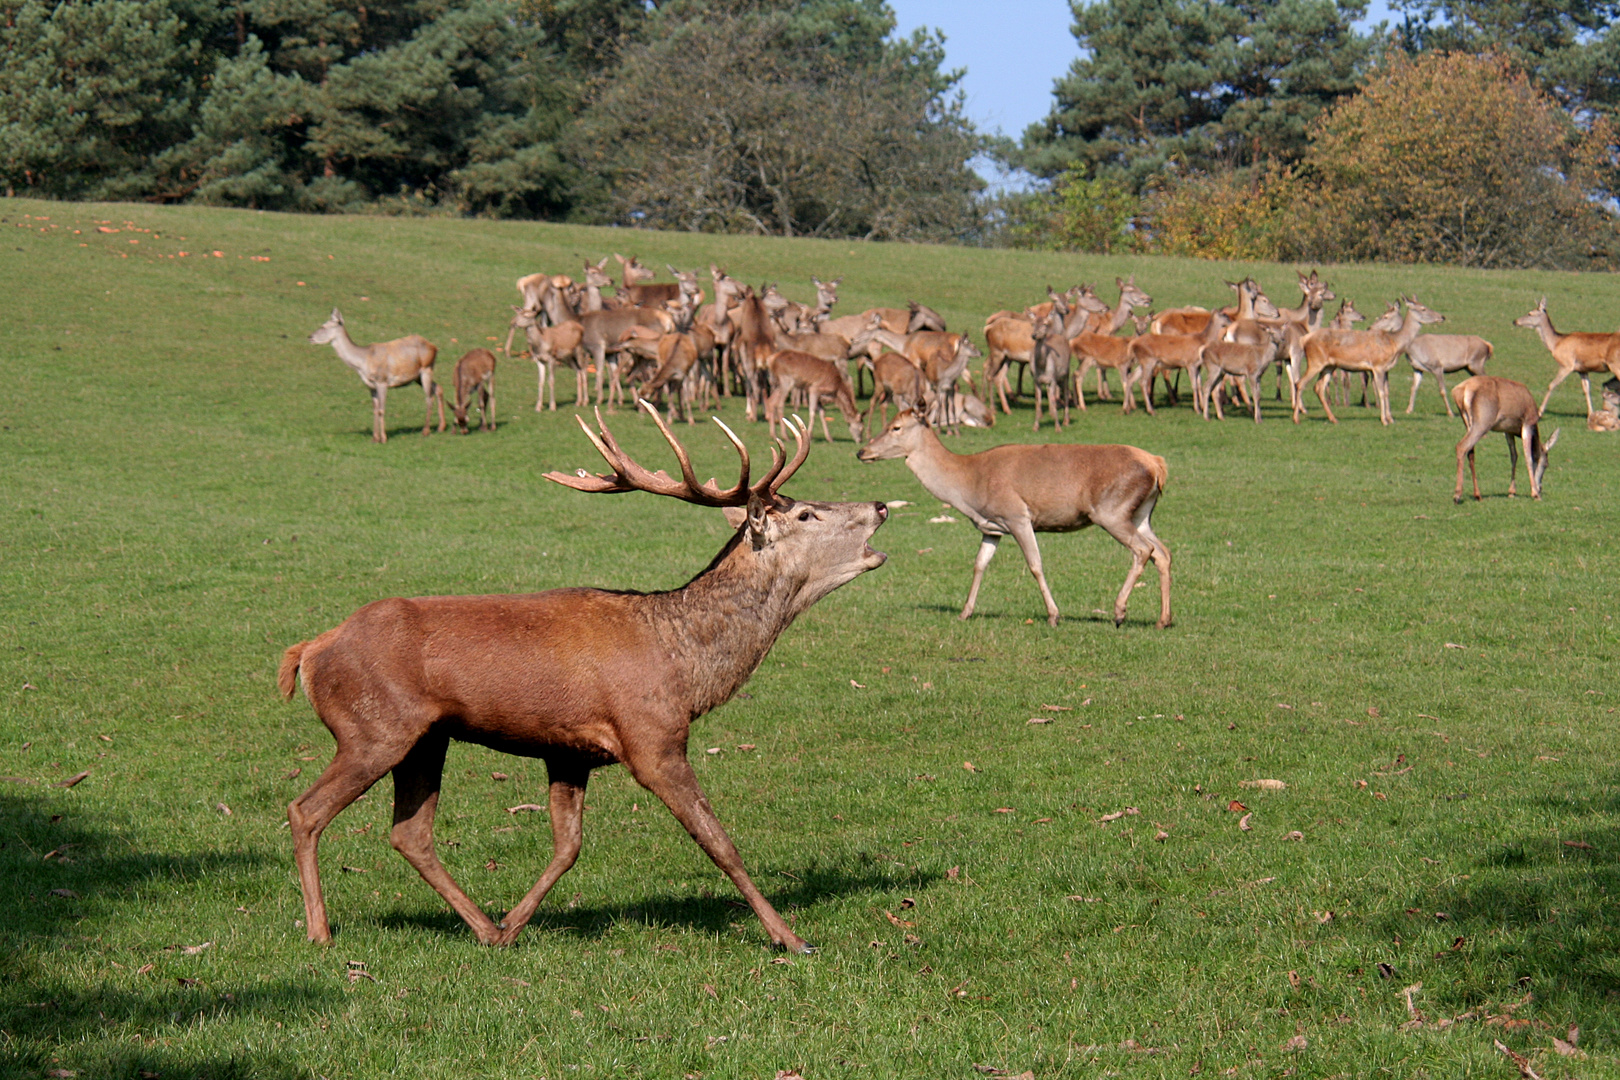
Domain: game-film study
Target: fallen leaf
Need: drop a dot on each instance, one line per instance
(1243, 822)
(1385, 971)
(1374, 713)
(1295, 835)
(1004, 809)
(788, 1074)
(62, 1074)
(105, 738)
(1039, 720)
(896, 920)
(1058, 708)
(1323, 916)
(1041, 821)
(1293, 979)
(708, 988)
(1263, 785)
(186, 982)
(1085, 899)
(895, 504)
(492, 865)
(522, 807)
(943, 519)
(1573, 1034)
(498, 776)
(293, 775)
(72, 780)
(1454, 645)
(193, 950)
(66, 894)
(1525, 1071)
(357, 971)
(144, 969)
(1361, 783)
(969, 766)
(712, 750)
(746, 746)
(353, 870)
(1581, 845)
(222, 808)
(1296, 1044)
(1161, 836)
(953, 873)
(1236, 807)
(515, 982)
(1565, 1049)
(857, 685)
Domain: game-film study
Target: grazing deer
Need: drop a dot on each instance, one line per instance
(1486, 404)
(383, 366)
(824, 381)
(580, 678)
(550, 346)
(1023, 490)
(923, 317)
(475, 377)
(1582, 354)
(1372, 351)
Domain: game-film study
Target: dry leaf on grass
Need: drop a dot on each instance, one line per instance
(1374, 713)
(1058, 708)
(1293, 979)
(1243, 822)
(357, 971)
(66, 894)
(788, 1074)
(969, 766)
(1579, 845)
(1039, 720)
(1564, 1049)
(293, 775)
(896, 920)
(1295, 835)
(1296, 1044)
(524, 807)
(498, 777)
(1117, 814)
(223, 809)
(72, 780)
(1236, 807)
(1323, 917)
(857, 685)
(1263, 785)
(1161, 836)
(144, 969)
(193, 950)
(1525, 1071)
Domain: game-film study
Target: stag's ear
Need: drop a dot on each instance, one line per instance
(735, 515)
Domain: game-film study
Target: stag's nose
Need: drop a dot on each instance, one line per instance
(882, 512)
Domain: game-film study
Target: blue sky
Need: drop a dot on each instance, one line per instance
(1013, 51)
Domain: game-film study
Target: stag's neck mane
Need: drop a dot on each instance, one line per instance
(735, 609)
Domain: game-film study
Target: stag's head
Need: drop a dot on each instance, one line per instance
(329, 331)
(810, 547)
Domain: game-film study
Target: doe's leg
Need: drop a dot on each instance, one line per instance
(1024, 533)
(987, 551)
(1513, 467)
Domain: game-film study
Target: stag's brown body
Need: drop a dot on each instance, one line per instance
(580, 678)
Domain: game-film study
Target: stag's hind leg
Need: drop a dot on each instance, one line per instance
(665, 772)
(568, 779)
(416, 798)
(347, 778)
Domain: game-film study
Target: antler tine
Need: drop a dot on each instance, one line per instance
(706, 494)
(586, 482)
(782, 475)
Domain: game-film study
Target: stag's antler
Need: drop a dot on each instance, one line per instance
(629, 476)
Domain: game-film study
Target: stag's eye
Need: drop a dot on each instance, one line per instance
(804, 515)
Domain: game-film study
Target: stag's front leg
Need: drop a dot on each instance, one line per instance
(567, 801)
(416, 798)
(665, 772)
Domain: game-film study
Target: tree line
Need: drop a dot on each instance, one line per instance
(1474, 132)
(1478, 132)
(780, 116)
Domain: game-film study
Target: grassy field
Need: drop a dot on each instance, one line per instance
(189, 487)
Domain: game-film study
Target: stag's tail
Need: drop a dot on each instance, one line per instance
(287, 675)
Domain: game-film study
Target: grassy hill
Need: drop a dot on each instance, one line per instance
(189, 487)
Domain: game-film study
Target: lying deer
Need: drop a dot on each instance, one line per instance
(475, 377)
(1486, 404)
(1608, 417)
(1582, 354)
(580, 678)
(1023, 490)
(382, 367)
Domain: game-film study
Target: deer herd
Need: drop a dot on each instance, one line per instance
(583, 678)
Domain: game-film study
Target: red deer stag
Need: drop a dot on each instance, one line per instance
(1582, 354)
(1486, 404)
(1023, 490)
(475, 378)
(580, 678)
(383, 366)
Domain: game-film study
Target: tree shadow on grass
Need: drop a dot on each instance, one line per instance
(705, 914)
(56, 871)
(1533, 913)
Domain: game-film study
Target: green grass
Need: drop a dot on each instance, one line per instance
(189, 487)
